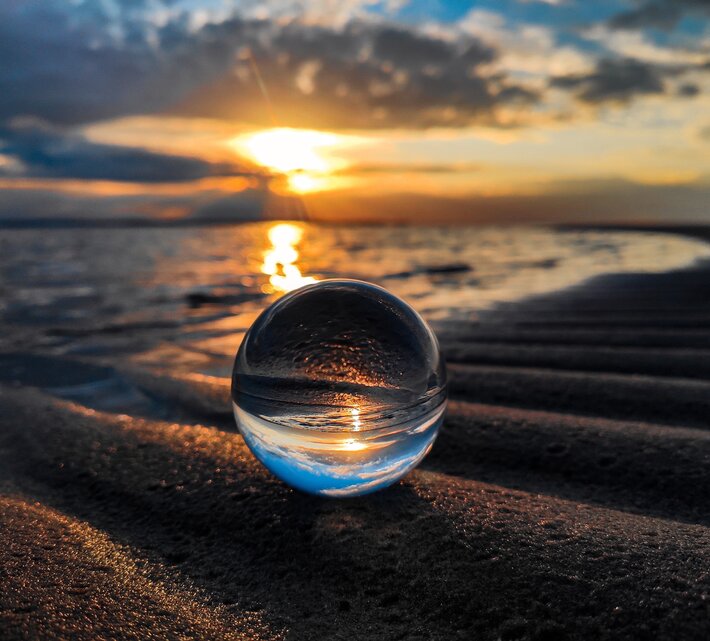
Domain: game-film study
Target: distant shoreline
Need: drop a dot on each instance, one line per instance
(114, 223)
(700, 231)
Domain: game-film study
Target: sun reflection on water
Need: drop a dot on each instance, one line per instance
(351, 444)
(280, 259)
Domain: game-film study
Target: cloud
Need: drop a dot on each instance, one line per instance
(53, 205)
(592, 201)
(334, 13)
(614, 80)
(73, 63)
(39, 151)
(316, 64)
(662, 14)
(638, 45)
(525, 48)
(365, 75)
(76, 63)
(633, 64)
(409, 50)
(688, 90)
(410, 168)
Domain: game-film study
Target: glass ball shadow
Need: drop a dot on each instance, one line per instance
(339, 388)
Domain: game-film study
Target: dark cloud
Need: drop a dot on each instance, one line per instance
(593, 202)
(250, 204)
(364, 75)
(73, 63)
(70, 64)
(23, 207)
(662, 14)
(614, 80)
(688, 90)
(45, 152)
(415, 168)
(405, 49)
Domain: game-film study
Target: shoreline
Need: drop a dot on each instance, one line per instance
(699, 230)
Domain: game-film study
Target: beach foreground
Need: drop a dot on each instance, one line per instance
(566, 496)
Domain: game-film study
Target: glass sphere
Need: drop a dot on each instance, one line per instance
(339, 388)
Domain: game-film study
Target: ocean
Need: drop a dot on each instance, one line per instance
(181, 298)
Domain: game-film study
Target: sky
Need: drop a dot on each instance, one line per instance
(422, 111)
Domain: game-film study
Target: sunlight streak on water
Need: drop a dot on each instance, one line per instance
(280, 259)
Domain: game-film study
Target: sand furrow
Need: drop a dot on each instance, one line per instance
(671, 401)
(665, 362)
(632, 466)
(662, 338)
(438, 556)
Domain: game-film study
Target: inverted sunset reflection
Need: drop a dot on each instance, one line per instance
(280, 259)
(357, 424)
(351, 444)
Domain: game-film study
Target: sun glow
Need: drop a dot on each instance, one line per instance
(280, 259)
(303, 183)
(289, 150)
(306, 157)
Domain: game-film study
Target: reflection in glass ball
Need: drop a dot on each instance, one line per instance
(339, 388)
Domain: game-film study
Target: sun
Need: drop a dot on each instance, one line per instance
(303, 183)
(288, 150)
(308, 158)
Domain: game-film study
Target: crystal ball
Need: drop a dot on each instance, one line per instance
(339, 388)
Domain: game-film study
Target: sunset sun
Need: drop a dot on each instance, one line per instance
(308, 158)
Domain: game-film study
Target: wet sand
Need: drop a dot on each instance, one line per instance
(566, 497)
